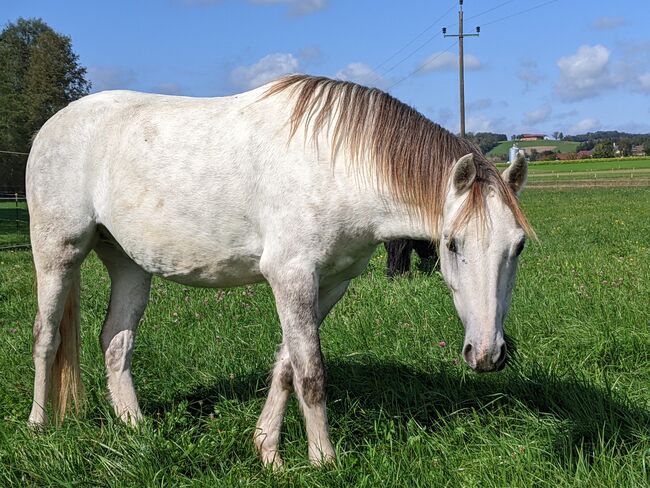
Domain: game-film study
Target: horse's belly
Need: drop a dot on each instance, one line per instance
(197, 269)
(216, 274)
(193, 259)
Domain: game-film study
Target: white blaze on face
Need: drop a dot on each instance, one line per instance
(479, 264)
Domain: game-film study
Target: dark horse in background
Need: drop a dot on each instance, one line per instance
(399, 256)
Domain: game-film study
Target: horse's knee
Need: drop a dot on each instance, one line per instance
(313, 389)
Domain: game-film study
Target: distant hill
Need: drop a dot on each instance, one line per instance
(609, 136)
(559, 146)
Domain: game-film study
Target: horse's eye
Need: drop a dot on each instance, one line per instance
(451, 245)
(520, 247)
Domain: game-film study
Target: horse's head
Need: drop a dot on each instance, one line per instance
(480, 244)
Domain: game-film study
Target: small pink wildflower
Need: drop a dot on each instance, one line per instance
(442, 344)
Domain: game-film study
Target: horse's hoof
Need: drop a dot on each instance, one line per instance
(324, 460)
(272, 459)
(36, 427)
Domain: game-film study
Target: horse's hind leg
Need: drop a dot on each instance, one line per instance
(57, 259)
(130, 286)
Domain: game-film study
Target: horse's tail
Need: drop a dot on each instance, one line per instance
(66, 371)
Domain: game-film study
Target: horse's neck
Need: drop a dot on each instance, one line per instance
(392, 219)
(397, 222)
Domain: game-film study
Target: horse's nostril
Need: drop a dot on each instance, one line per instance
(467, 354)
(502, 353)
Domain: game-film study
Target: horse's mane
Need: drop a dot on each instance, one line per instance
(409, 154)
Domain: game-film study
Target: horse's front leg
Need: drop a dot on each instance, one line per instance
(296, 294)
(269, 425)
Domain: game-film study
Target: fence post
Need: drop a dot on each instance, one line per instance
(17, 223)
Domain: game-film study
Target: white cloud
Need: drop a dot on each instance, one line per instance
(480, 104)
(635, 127)
(585, 74)
(538, 115)
(443, 116)
(361, 73)
(441, 61)
(110, 78)
(310, 54)
(608, 23)
(566, 115)
(479, 123)
(167, 88)
(269, 68)
(644, 82)
(585, 125)
(296, 7)
(529, 73)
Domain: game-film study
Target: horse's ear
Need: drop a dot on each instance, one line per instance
(464, 173)
(516, 174)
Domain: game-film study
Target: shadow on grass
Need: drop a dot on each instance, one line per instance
(364, 392)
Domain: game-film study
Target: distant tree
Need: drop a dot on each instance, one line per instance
(486, 140)
(586, 146)
(603, 150)
(646, 148)
(556, 135)
(560, 136)
(39, 75)
(625, 147)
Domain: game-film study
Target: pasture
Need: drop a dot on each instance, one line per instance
(13, 223)
(589, 172)
(571, 409)
(560, 146)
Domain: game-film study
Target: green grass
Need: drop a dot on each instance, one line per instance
(560, 146)
(591, 166)
(14, 227)
(571, 410)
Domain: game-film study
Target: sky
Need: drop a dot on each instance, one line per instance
(538, 66)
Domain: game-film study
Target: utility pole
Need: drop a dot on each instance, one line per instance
(461, 63)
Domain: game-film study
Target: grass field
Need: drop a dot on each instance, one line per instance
(13, 223)
(560, 146)
(587, 165)
(571, 410)
(628, 172)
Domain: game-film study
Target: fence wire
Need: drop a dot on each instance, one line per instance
(14, 222)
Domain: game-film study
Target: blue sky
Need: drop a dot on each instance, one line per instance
(569, 65)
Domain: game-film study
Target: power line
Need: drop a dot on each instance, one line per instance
(543, 4)
(410, 54)
(490, 9)
(403, 48)
(488, 23)
(424, 65)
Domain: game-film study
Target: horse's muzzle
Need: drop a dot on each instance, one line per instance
(486, 359)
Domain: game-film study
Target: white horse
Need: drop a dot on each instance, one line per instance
(295, 184)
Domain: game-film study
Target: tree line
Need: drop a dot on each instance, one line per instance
(604, 144)
(39, 75)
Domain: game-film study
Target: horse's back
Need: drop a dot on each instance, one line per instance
(156, 174)
(196, 189)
